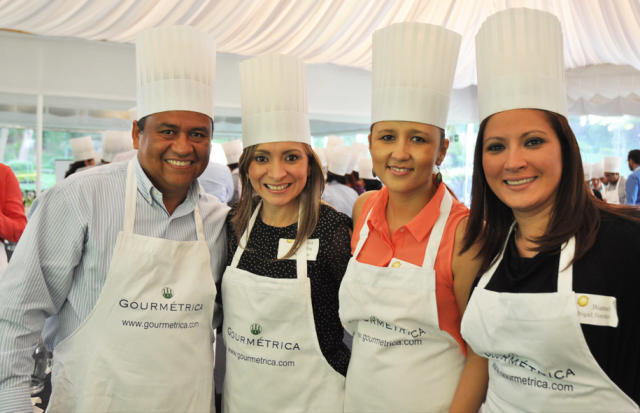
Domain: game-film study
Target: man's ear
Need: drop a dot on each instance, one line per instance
(135, 135)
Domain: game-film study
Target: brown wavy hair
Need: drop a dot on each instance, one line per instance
(576, 211)
(309, 198)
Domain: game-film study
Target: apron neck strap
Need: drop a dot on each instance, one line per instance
(565, 271)
(130, 197)
(364, 234)
(438, 230)
(300, 256)
(131, 192)
(486, 277)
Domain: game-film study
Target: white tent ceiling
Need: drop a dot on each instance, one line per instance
(601, 37)
(331, 31)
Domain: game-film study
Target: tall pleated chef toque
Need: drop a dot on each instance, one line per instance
(274, 100)
(612, 164)
(175, 68)
(413, 69)
(520, 64)
(232, 150)
(82, 148)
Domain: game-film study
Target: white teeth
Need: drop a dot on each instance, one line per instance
(178, 163)
(277, 187)
(520, 181)
(399, 169)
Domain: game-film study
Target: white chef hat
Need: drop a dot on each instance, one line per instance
(338, 161)
(612, 164)
(597, 169)
(334, 140)
(274, 100)
(322, 156)
(175, 68)
(82, 148)
(358, 150)
(115, 142)
(586, 167)
(232, 150)
(365, 169)
(519, 59)
(413, 69)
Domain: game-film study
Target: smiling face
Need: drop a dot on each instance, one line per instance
(173, 150)
(404, 154)
(278, 173)
(522, 159)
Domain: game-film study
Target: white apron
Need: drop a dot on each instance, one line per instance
(274, 361)
(539, 360)
(147, 344)
(610, 194)
(401, 361)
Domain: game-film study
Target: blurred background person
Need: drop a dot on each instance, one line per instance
(632, 187)
(84, 155)
(614, 191)
(115, 143)
(232, 151)
(12, 217)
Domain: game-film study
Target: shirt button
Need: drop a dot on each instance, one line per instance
(396, 264)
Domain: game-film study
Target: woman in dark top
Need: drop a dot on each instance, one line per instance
(287, 255)
(554, 313)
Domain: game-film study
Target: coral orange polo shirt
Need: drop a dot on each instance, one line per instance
(409, 242)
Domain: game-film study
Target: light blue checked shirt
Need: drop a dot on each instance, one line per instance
(62, 260)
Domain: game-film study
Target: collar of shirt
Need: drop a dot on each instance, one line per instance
(150, 193)
(418, 227)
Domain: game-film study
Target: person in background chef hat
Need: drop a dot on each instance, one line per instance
(614, 191)
(406, 285)
(280, 288)
(114, 143)
(84, 155)
(597, 176)
(232, 151)
(554, 314)
(336, 192)
(365, 172)
(126, 257)
(357, 150)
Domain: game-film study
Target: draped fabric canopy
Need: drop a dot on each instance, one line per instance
(331, 31)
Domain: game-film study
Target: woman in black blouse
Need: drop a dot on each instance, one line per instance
(555, 312)
(287, 255)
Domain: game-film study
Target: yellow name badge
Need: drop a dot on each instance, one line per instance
(284, 245)
(597, 310)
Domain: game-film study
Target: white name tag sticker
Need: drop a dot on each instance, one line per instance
(597, 310)
(284, 245)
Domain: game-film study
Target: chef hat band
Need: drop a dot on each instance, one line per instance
(519, 57)
(413, 69)
(274, 100)
(175, 68)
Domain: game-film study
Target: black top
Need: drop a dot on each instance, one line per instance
(609, 268)
(325, 272)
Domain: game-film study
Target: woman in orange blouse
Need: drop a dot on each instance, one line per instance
(406, 286)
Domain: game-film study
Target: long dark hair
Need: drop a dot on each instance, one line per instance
(309, 199)
(576, 211)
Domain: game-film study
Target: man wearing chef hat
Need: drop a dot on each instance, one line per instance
(614, 192)
(126, 257)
